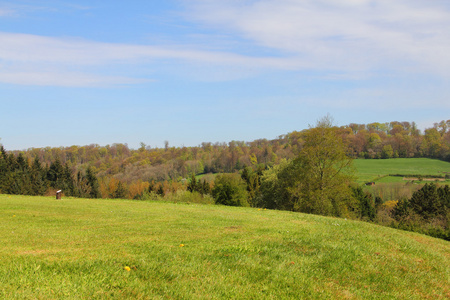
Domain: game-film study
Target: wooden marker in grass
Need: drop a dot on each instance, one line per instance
(58, 195)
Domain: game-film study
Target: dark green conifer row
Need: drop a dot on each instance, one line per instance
(18, 177)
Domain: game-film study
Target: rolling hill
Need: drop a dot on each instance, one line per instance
(95, 248)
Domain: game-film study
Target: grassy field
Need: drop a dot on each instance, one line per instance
(374, 169)
(80, 248)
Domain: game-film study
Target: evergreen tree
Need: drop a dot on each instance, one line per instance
(253, 182)
(11, 178)
(401, 210)
(366, 204)
(68, 182)
(11, 164)
(444, 196)
(55, 173)
(13, 184)
(120, 192)
(192, 185)
(3, 168)
(205, 187)
(3, 153)
(38, 180)
(378, 202)
(20, 177)
(22, 164)
(425, 202)
(93, 183)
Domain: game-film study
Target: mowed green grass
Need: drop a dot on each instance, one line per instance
(80, 248)
(371, 169)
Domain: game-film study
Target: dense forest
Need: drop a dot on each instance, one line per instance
(370, 141)
(304, 171)
(22, 177)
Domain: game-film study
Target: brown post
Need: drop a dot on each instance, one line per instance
(58, 195)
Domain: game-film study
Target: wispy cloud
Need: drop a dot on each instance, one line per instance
(332, 38)
(25, 56)
(344, 35)
(65, 79)
(5, 12)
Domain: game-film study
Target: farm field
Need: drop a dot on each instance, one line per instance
(375, 169)
(97, 248)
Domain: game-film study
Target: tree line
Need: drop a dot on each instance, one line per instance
(133, 170)
(370, 141)
(20, 176)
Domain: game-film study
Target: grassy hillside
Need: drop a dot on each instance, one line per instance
(371, 169)
(79, 248)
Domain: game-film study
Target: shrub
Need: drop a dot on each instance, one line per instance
(230, 189)
(190, 197)
(426, 212)
(366, 204)
(426, 201)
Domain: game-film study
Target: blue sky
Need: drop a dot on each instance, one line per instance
(193, 71)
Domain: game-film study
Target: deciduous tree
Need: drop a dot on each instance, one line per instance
(230, 189)
(317, 181)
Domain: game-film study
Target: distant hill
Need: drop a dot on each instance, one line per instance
(373, 140)
(135, 171)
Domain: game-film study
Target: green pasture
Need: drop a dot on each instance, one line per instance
(209, 177)
(125, 249)
(378, 169)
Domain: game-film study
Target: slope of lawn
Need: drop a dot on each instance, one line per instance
(372, 169)
(80, 248)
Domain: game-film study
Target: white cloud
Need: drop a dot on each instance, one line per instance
(65, 79)
(26, 48)
(24, 56)
(5, 12)
(333, 38)
(345, 35)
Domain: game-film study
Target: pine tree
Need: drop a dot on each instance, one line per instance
(444, 196)
(3, 168)
(11, 164)
(425, 202)
(205, 187)
(253, 182)
(3, 153)
(192, 185)
(22, 163)
(38, 180)
(401, 210)
(55, 173)
(93, 183)
(378, 202)
(120, 192)
(68, 181)
(366, 204)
